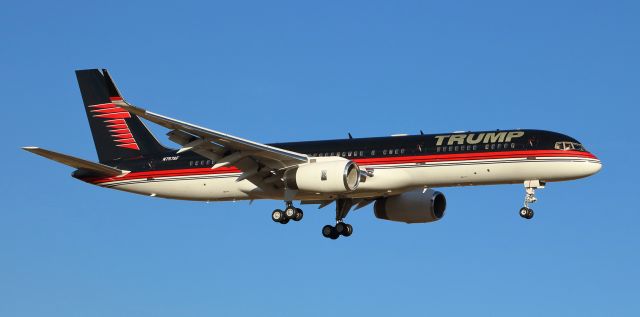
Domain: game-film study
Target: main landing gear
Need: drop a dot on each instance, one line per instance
(530, 197)
(290, 213)
(341, 228)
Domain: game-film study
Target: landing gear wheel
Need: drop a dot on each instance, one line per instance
(348, 230)
(290, 212)
(526, 213)
(299, 214)
(284, 221)
(341, 227)
(330, 232)
(344, 229)
(277, 215)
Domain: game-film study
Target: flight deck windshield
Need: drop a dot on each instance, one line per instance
(566, 146)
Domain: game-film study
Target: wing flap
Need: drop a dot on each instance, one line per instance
(75, 162)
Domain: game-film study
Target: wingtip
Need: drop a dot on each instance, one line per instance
(30, 148)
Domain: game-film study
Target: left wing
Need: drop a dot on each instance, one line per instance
(232, 145)
(257, 161)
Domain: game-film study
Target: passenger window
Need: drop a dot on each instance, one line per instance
(384, 152)
(361, 153)
(499, 146)
(373, 152)
(190, 163)
(456, 148)
(344, 154)
(475, 147)
(349, 154)
(493, 146)
(401, 151)
(486, 146)
(438, 149)
(397, 151)
(450, 148)
(513, 145)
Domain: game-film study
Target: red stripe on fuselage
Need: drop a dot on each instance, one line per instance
(361, 162)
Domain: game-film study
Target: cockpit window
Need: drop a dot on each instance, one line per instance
(566, 146)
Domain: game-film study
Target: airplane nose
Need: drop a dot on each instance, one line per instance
(592, 166)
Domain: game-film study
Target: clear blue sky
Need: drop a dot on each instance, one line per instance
(276, 71)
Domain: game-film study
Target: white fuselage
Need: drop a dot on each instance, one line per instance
(387, 178)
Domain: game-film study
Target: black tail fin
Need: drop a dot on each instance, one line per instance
(117, 133)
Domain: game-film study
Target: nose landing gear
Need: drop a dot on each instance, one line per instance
(530, 197)
(526, 212)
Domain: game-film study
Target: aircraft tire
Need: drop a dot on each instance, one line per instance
(530, 214)
(329, 231)
(290, 213)
(277, 215)
(348, 230)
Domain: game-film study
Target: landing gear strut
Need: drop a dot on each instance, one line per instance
(530, 197)
(290, 213)
(341, 228)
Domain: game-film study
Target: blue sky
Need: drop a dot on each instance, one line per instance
(278, 71)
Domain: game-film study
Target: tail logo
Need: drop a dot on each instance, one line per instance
(114, 117)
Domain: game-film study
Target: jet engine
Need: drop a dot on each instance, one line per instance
(412, 207)
(325, 175)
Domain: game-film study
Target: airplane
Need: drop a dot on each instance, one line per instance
(397, 174)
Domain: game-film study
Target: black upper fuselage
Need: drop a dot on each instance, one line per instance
(381, 147)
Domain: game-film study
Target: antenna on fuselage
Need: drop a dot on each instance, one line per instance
(350, 136)
(421, 133)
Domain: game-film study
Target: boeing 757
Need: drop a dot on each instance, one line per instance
(398, 174)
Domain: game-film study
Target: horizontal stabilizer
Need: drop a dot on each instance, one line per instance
(78, 163)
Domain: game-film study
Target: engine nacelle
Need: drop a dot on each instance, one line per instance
(412, 207)
(326, 175)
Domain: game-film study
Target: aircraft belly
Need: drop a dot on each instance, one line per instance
(207, 189)
(387, 179)
(481, 172)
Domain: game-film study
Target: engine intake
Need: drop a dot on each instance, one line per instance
(326, 175)
(412, 207)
